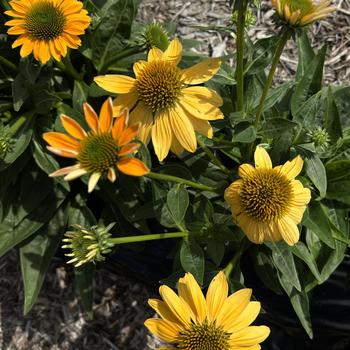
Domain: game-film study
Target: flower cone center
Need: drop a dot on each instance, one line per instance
(159, 85)
(98, 153)
(266, 195)
(45, 21)
(304, 6)
(204, 337)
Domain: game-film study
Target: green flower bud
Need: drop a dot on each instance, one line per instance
(88, 244)
(319, 137)
(156, 36)
(5, 141)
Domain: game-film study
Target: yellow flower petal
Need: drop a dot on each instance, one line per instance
(232, 192)
(173, 53)
(248, 315)
(118, 84)
(132, 167)
(72, 127)
(138, 67)
(216, 295)
(124, 101)
(161, 135)
(90, 117)
(106, 115)
(203, 93)
(75, 174)
(191, 293)
(176, 305)
(162, 310)
(291, 169)
(262, 158)
(61, 141)
(183, 130)
(201, 72)
(164, 330)
(154, 54)
(175, 146)
(250, 336)
(93, 181)
(201, 126)
(245, 170)
(288, 230)
(143, 116)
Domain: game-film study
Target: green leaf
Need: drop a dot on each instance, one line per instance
(192, 259)
(274, 127)
(177, 202)
(284, 262)
(314, 169)
(317, 221)
(84, 279)
(216, 251)
(36, 254)
(244, 132)
(332, 119)
(47, 163)
(303, 253)
(114, 27)
(11, 235)
(80, 95)
(338, 170)
(339, 191)
(305, 54)
(310, 83)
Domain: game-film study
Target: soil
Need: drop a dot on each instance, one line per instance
(120, 305)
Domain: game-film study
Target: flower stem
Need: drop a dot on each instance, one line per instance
(213, 158)
(242, 7)
(66, 66)
(18, 123)
(286, 33)
(122, 54)
(143, 238)
(165, 177)
(6, 63)
(236, 257)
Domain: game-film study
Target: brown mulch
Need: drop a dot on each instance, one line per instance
(56, 321)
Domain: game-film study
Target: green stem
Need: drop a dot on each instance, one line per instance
(242, 6)
(6, 63)
(18, 123)
(143, 238)
(125, 53)
(164, 177)
(286, 33)
(213, 158)
(66, 66)
(236, 257)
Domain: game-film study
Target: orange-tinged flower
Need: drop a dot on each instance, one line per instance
(299, 13)
(189, 321)
(167, 107)
(267, 203)
(107, 147)
(47, 27)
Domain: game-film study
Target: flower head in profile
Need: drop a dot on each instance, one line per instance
(299, 13)
(87, 244)
(107, 147)
(267, 203)
(47, 27)
(167, 107)
(190, 321)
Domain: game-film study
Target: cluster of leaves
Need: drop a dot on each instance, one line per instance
(36, 210)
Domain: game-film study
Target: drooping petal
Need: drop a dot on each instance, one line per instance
(63, 153)
(75, 174)
(191, 293)
(65, 171)
(216, 295)
(111, 175)
(27, 48)
(143, 116)
(132, 166)
(94, 177)
(201, 72)
(173, 53)
(118, 84)
(106, 115)
(72, 127)
(288, 230)
(203, 127)
(183, 130)
(161, 135)
(262, 158)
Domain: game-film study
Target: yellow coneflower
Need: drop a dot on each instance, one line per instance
(189, 321)
(267, 203)
(169, 110)
(299, 13)
(47, 27)
(105, 148)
